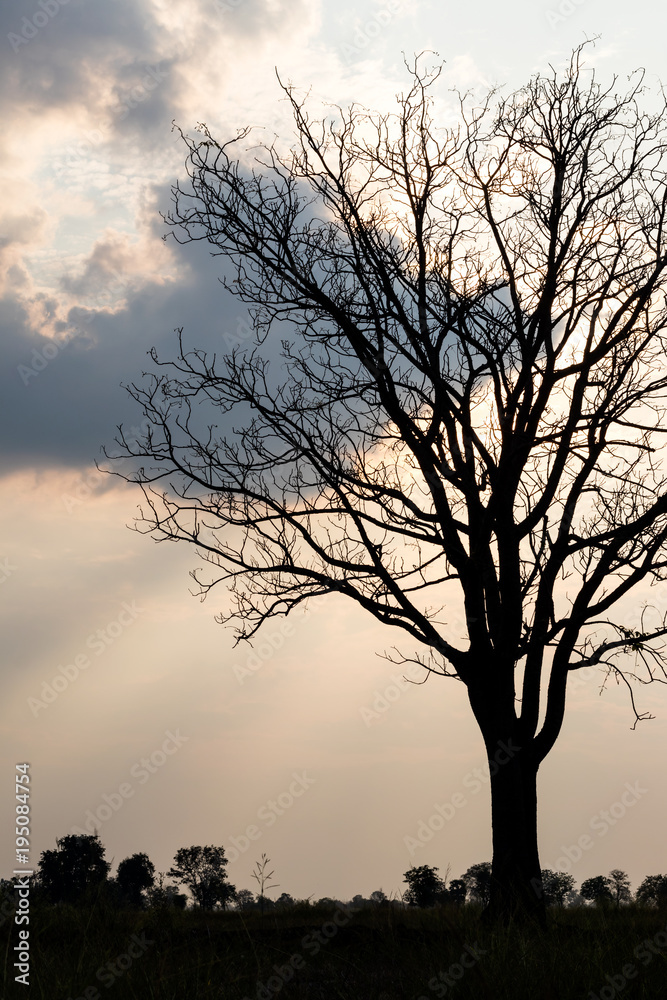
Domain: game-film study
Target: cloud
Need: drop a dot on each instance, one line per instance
(102, 59)
(255, 19)
(88, 287)
(63, 392)
(18, 231)
(60, 55)
(118, 264)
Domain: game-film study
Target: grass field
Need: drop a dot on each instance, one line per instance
(313, 953)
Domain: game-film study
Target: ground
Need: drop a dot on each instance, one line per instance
(315, 953)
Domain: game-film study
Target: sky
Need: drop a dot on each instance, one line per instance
(135, 711)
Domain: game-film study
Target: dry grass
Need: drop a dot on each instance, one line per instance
(311, 953)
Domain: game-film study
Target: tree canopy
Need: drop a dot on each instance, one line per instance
(425, 887)
(202, 870)
(76, 867)
(134, 875)
(653, 891)
(597, 889)
(556, 886)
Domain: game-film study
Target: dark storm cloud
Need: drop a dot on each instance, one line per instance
(54, 52)
(110, 55)
(114, 66)
(62, 404)
(107, 56)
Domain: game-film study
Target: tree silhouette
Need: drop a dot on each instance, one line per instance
(426, 888)
(619, 884)
(74, 869)
(457, 891)
(163, 896)
(555, 886)
(468, 410)
(285, 900)
(202, 869)
(134, 875)
(477, 880)
(245, 899)
(653, 891)
(597, 890)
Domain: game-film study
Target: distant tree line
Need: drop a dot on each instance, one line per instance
(76, 872)
(426, 888)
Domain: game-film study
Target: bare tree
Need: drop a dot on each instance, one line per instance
(471, 413)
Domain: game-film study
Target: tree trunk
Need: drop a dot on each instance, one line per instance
(516, 886)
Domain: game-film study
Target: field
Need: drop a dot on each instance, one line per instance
(315, 953)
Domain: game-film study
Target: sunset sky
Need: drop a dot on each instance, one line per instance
(318, 744)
